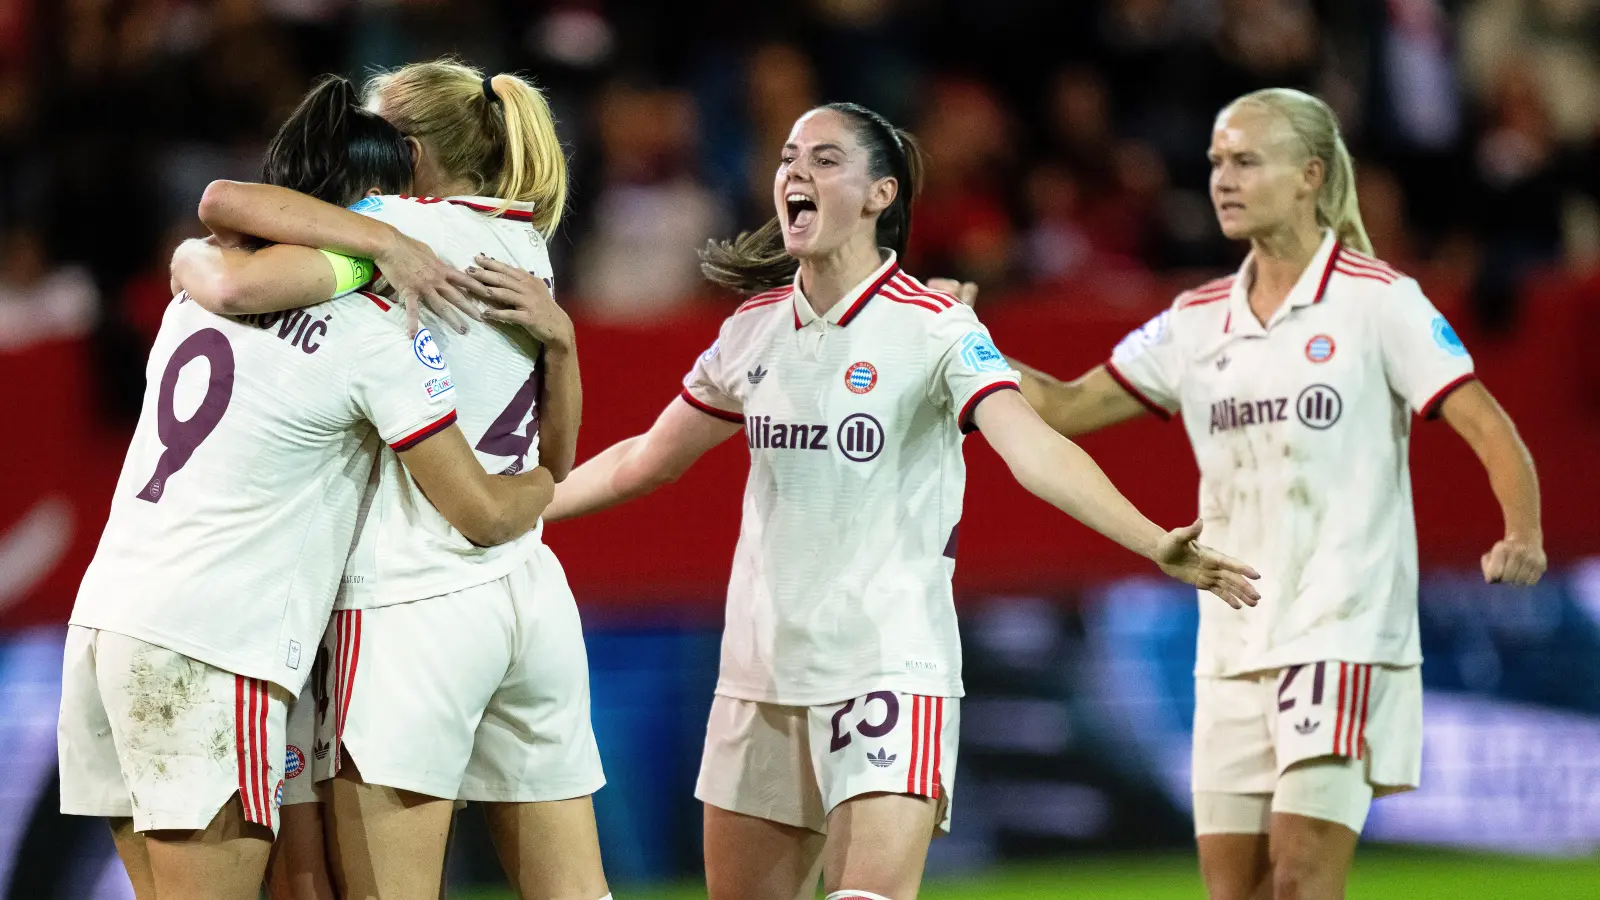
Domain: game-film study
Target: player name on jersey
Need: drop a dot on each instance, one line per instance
(300, 328)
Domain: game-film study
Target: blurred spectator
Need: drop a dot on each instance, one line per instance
(960, 224)
(1056, 246)
(781, 84)
(40, 301)
(637, 260)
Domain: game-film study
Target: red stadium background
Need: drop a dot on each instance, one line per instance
(672, 550)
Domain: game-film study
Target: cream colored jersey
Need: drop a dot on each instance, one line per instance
(1301, 429)
(406, 550)
(854, 420)
(237, 501)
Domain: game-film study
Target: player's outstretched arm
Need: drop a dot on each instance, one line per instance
(1057, 471)
(1517, 558)
(640, 464)
(231, 282)
(1091, 402)
(283, 216)
(487, 509)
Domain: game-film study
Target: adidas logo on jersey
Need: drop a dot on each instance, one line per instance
(883, 760)
(756, 374)
(1306, 727)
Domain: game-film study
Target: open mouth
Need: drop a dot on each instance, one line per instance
(802, 211)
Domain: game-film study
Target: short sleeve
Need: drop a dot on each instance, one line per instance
(1148, 363)
(1423, 358)
(403, 387)
(706, 386)
(967, 365)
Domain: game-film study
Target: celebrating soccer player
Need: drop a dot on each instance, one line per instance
(199, 618)
(484, 642)
(832, 739)
(1296, 379)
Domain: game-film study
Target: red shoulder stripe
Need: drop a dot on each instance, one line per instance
(1364, 273)
(1202, 301)
(375, 299)
(1385, 272)
(1368, 262)
(757, 305)
(918, 289)
(926, 301)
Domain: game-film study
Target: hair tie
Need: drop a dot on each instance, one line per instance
(488, 90)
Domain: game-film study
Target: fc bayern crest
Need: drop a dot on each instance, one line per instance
(295, 763)
(1319, 349)
(860, 377)
(277, 796)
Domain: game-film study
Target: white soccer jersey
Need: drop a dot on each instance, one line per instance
(237, 501)
(405, 549)
(854, 420)
(1301, 431)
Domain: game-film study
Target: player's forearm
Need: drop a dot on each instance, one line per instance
(612, 477)
(289, 217)
(513, 507)
(1060, 473)
(235, 282)
(560, 410)
(1514, 481)
(1084, 405)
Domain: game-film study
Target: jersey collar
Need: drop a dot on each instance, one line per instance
(1309, 290)
(850, 305)
(517, 211)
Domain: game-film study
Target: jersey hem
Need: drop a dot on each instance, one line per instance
(482, 573)
(710, 410)
(1304, 660)
(416, 437)
(1435, 404)
(207, 655)
(826, 698)
(965, 420)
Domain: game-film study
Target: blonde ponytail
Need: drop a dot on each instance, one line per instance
(1314, 123)
(497, 134)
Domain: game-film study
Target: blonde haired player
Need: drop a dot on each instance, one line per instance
(1296, 379)
(456, 672)
(832, 739)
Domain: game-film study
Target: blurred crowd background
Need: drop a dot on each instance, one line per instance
(1065, 138)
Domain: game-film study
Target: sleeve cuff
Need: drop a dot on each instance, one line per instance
(1430, 410)
(710, 410)
(1160, 411)
(968, 424)
(423, 433)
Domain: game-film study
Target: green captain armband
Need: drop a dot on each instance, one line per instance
(349, 272)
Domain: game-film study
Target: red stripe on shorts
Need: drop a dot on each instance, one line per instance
(240, 749)
(916, 734)
(1366, 702)
(938, 745)
(269, 792)
(929, 739)
(1338, 718)
(258, 738)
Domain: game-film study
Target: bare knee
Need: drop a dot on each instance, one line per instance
(1306, 876)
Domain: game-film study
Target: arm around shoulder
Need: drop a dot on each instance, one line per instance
(487, 509)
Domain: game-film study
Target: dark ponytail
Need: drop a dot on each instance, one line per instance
(755, 261)
(334, 150)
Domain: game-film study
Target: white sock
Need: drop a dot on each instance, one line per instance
(855, 895)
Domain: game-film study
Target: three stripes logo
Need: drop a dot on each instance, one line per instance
(755, 375)
(883, 760)
(1318, 407)
(860, 438)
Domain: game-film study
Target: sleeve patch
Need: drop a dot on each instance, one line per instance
(981, 355)
(427, 350)
(367, 205)
(1446, 337)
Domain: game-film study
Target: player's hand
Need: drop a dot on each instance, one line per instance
(1514, 560)
(965, 291)
(1180, 555)
(519, 297)
(420, 278)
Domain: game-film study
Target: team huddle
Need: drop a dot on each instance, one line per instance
(322, 616)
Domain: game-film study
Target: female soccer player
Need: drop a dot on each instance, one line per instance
(832, 740)
(484, 645)
(1296, 379)
(200, 615)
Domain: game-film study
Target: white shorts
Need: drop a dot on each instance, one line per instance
(481, 694)
(1249, 730)
(308, 760)
(794, 764)
(163, 738)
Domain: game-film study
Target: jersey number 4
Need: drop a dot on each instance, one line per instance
(180, 437)
(506, 435)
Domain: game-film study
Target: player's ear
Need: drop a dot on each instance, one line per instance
(882, 194)
(374, 192)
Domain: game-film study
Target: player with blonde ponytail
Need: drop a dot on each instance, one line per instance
(459, 671)
(1295, 379)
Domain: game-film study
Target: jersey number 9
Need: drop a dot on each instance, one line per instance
(180, 437)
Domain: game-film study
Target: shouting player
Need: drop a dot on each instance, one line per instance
(832, 739)
(485, 643)
(1296, 379)
(200, 615)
